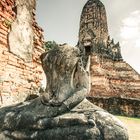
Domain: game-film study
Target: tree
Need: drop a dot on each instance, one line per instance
(50, 45)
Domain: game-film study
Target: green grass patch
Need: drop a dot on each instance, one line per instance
(129, 118)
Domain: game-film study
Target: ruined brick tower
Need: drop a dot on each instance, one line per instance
(93, 19)
(115, 85)
(94, 31)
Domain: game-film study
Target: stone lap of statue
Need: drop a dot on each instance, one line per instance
(62, 112)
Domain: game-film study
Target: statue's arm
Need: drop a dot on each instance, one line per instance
(76, 98)
(88, 64)
(81, 93)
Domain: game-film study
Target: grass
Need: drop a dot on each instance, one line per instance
(129, 118)
(133, 126)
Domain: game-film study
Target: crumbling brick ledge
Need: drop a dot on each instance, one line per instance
(118, 105)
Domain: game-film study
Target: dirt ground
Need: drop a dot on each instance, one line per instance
(133, 126)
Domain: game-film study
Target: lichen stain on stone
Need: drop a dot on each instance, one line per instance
(21, 35)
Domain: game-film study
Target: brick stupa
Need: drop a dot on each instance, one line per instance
(111, 77)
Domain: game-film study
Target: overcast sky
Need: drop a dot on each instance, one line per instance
(60, 22)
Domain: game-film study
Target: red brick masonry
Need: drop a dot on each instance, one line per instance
(18, 78)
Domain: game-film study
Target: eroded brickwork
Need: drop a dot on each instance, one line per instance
(110, 75)
(119, 106)
(93, 33)
(94, 19)
(18, 78)
(113, 79)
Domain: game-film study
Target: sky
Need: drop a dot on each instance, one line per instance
(60, 22)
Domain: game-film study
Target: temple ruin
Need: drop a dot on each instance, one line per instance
(115, 84)
(94, 31)
(21, 41)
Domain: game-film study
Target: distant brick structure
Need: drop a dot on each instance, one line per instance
(93, 31)
(18, 77)
(93, 19)
(111, 77)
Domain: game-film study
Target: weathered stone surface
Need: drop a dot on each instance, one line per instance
(18, 79)
(65, 74)
(21, 35)
(67, 79)
(63, 114)
(36, 121)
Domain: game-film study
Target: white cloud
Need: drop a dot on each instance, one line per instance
(133, 19)
(130, 29)
(128, 32)
(130, 39)
(137, 43)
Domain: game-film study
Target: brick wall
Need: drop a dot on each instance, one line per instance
(113, 79)
(18, 79)
(118, 106)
